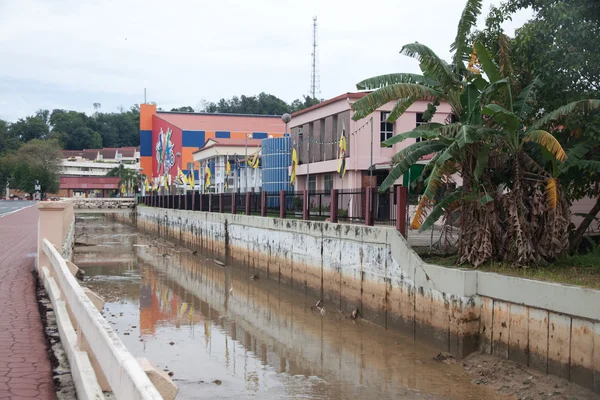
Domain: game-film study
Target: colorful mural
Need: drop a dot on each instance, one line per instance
(165, 156)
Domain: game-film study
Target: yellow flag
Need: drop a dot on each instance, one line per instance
(146, 186)
(207, 175)
(181, 178)
(227, 172)
(191, 179)
(254, 160)
(342, 156)
(294, 165)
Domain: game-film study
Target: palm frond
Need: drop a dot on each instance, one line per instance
(492, 88)
(401, 106)
(504, 56)
(502, 116)
(548, 141)
(432, 65)
(378, 98)
(487, 63)
(390, 79)
(522, 106)
(551, 193)
(482, 161)
(405, 158)
(448, 203)
(417, 133)
(421, 213)
(576, 153)
(450, 130)
(437, 178)
(591, 165)
(581, 105)
(460, 46)
(466, 135)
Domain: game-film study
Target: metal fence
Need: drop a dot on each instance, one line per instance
(351, 204)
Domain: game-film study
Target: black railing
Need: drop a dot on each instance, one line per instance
(351, 204)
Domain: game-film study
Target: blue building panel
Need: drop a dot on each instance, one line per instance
(193, 139)
(275, 163)
(222, 135)
(145, 143)
(259, 135)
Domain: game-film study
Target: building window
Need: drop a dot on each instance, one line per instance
(420, 122)
(300, 133)
(312, 183)
(387, 128)
(328, 183)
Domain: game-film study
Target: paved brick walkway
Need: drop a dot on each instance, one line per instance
(25, 371)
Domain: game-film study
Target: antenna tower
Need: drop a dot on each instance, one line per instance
(314, 77)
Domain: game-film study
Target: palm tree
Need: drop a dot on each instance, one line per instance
(129, 178)
(510, 203)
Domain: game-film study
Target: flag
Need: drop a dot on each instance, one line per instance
(207, 176)
(227, 172)
(342, 156)
(122, 188)
(294, 165)
(181, 178)
(253, 162)
(146, 186)
(191, 178)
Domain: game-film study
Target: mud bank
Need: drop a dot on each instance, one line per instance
(553, 328)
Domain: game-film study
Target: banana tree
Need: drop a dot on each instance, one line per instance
(512, 207)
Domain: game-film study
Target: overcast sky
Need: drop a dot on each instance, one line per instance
(73, 53)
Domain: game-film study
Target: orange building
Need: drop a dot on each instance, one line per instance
(168, 139)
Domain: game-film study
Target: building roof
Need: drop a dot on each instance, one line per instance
(127, 151)
(230, 143)
(109, 152)
(224, 122)
(349, 95)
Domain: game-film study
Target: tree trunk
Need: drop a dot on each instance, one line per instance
(578, 235)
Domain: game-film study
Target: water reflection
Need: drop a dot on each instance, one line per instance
(226, 336)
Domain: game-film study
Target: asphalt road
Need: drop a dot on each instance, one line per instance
(8, 206)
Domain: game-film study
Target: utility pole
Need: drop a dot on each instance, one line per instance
(314, 78)
(246, 166)
(371, 174)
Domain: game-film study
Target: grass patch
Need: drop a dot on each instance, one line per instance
(580, 269)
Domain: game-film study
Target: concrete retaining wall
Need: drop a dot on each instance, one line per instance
(552, 327)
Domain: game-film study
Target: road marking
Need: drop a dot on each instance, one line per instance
(12, 212)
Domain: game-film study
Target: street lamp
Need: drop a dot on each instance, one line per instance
(286, 118)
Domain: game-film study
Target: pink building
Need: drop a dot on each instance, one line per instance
(322, 123)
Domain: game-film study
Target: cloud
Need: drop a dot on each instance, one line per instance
(71, 53)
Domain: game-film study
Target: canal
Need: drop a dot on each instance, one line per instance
(224, 335)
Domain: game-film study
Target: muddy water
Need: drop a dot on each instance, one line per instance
(226, 336)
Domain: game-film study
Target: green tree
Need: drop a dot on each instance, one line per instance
(71, 127)
(29, 128)
(307, 101)
(557, 46)
(8, 142)
(36, 160)
(183, 109)
(512, 206)
(263, 104)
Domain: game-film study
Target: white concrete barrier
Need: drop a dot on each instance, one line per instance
(127, 380)
(100, 202)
